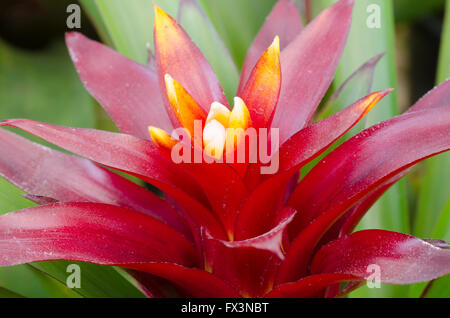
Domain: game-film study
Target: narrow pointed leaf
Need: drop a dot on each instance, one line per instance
(358, 84)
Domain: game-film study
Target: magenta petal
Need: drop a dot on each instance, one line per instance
(131, 154)
(402, 259)
(285, 21)
(89, 232)
(46, 174)
(128, 91)
(308, 66)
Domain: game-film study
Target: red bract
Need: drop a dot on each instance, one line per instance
(224, 229)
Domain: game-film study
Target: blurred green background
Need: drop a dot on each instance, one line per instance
(38, 81)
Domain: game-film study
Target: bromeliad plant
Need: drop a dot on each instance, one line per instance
(222, 229)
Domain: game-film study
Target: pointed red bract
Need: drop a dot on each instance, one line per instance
(355, 169)
(73, 179)
(308, 65)
(178, 56)
(90, 232)
(402, 259)
(262, 89)
(128, 91)
(284, 20)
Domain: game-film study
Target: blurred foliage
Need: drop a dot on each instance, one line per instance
(43, 86)
(238, 22)
(412, 10)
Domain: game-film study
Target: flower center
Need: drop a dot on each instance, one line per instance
(219, 133)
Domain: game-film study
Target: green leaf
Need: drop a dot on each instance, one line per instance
(238, 22)
(444, 54)
(365, 41)
(204, 35)
(130, 24)
(439, 288)
(29, 282)
(11, 198)
(442, 228)
(94, 14)
(6, 293)
(96, 281)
